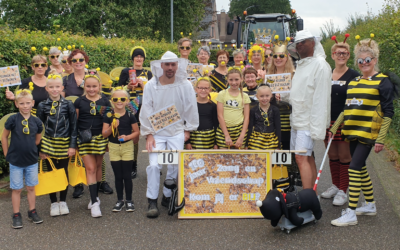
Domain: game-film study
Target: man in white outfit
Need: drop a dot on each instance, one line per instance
(169, 86)
(310, 97)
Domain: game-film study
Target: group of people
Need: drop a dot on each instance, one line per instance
(341, 105)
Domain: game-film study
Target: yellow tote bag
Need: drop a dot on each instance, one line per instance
(76, 171)
(52, 181)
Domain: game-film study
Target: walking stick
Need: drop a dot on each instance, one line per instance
(322, 164)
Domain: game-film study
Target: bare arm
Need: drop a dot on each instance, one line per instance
(4, 141)
(38, 138)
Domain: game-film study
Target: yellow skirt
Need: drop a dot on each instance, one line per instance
(97, 146)
(56, 148)
(203, 139)
(261, 141)
(234, 133)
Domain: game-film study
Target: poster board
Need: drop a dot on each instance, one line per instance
(194, 67)
(9, 76)
(280, 83)
(223, 184)
(164, 118)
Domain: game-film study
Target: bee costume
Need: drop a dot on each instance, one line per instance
(367, 116)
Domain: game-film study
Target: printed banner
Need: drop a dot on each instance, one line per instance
(9, 76)
(164, 118)
(223, 184)
(280, 83)
(194, 67)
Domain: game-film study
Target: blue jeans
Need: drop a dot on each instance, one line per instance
(17, 175)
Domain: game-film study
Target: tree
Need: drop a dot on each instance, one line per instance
(261, 7)
(108, 18)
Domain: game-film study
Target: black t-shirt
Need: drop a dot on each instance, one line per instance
(23, 150)
(124, 77)
(70, 86)
(339, 93)
(39, 93)
(124, 127)
(207, 116)
(87, 120)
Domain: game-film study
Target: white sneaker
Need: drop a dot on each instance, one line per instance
(340, 198)
(96, 210)
(331, 192)
(348, 218)
(90, 203)
(367, 208)
(63, 208)
(55, 209)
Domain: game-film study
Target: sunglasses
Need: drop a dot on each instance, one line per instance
(52, 57)
(203, 88)
(53, 108)
(25, 129)
(366, 60)
(184, 48)
(280, 56)
(93, 108)
(266, 120)
(267, 55)
(116, 99)
(257, 51)
(341, 53)
(43, 65)
(76, 60)
(64, 61)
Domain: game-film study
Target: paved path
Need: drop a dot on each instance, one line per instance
(134, 231)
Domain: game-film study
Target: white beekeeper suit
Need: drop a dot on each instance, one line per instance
(310, 95)
(157, 97)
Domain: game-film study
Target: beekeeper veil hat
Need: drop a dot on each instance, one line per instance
(180, 74)
(304, 35)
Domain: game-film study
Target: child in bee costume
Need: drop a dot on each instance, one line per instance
(168, 88)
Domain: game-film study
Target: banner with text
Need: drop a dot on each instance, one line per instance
(280, 83)
(9, 76)
(223, 184)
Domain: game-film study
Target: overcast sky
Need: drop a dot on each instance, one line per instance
(317, 12)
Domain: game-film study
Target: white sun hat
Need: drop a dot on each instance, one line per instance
(169, 56)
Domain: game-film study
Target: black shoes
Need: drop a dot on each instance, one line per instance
(130, 207)
(152, 211)
(78, 191)
(165, 201)
(34, 217)
(134, 170)
(118, 206)
(105, 188)
(17, 221)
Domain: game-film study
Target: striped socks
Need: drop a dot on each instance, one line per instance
(366, 185)
(344, 176)
(354, 188)
(335, 167)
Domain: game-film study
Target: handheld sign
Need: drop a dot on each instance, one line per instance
(164, 118)
(223, 184)
(9, 76)
(279, 83)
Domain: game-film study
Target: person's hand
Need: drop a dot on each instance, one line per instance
(215, 146)
(187, 135)
(115, 123)
(140, 82)
(136, 140)
(125, 137)
(228, 141)
(43, 156)
(261, 74)
(330, 136)
(189, 146)
(278, 97)
(378, 147)
(71, 152)
(239, 142)
(130, 86)
(150, 143)
(10, 95)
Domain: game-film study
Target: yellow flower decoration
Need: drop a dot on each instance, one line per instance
(181, 33)
(242, 66)
(109, 115)
(59, 48)
(82, 46)
(190, 34)
(372, 35)
(58, 39)
(251, 43)
(86, 66)
(226, 45)
(206, 71)
(218, 46)
(241, 62)
(276, 37)
(69, 47)
(73, 46)
(250, 61)
(45, 49)
(64, 49)
(110, 81)
(288, 39)
(117, 78)
(223, 63)
(33, 49)
(98, 69)
(357, 37)
(31, 88)
(30, 84)
(194, 70)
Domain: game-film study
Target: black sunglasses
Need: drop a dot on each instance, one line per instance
(53, 56)
(76, 60)
(36, 65)
(280, 56)
(64, 61)
(184, 48)
(267, 55)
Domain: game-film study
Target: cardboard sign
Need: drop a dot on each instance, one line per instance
(164, 118)
(9, 76)
(194, 67)
(223, 184)
(280, 83)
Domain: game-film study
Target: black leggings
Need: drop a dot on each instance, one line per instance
(63, 163)
(122, 173)
(359, 154)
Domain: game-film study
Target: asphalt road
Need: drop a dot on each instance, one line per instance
(123, 230)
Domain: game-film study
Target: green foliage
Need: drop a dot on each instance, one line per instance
(15, 49)
(109, 18)
(385, 26)
(328, 30)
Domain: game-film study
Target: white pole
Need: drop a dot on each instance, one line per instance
(172, 21)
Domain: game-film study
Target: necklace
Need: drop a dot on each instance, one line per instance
(264, 115)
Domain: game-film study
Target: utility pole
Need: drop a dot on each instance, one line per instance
(172, 21)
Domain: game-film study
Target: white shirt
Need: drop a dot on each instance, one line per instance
(157, 97)
(310, 96)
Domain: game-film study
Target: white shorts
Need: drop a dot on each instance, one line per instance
(301, 140)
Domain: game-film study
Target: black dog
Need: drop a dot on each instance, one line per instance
(277, 204)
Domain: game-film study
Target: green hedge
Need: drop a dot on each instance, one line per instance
(385, 27)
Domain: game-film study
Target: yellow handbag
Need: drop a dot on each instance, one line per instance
(52, 181)
(76, 171)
